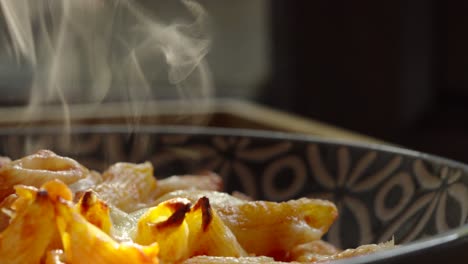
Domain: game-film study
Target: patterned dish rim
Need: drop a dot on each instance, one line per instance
(456, 237)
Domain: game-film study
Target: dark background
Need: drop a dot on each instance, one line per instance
(395, 70)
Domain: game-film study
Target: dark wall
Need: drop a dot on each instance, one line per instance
(397, 70)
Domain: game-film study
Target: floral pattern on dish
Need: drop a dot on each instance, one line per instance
(344, 188)
(233, 158)
(380, 192)
(429, 207)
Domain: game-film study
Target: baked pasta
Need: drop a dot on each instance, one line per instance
(55, 210)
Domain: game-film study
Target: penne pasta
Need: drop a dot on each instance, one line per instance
(56, 211)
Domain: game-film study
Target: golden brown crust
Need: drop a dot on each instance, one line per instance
(58, 224)
(268, 228)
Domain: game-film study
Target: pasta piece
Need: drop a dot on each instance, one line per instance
(6, 213)
(183, 231)
(85, 243)
(217, 199)
(32, 229)
(55, 257)
(166, 225)
(204, 181)
(323, 255)
(273, 229)
(123, 225)
(80, 216)
(231, 260)
(4, 160)
(131, 186)
(37, 169)
(84, 184)
(208, 233)
(269, 228)
(312, 251)
(47, 214)
(354, 252)
(95, 211)
(127, 186)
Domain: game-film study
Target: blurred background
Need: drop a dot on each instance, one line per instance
(393, 70)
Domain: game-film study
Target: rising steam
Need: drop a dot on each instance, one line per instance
(90, 51)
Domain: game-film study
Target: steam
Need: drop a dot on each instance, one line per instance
(94, 51)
